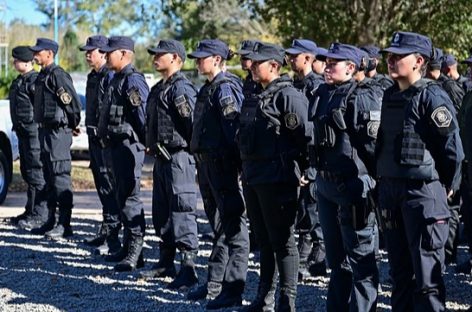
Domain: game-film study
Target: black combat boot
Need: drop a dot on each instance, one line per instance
(208, 291)
(30, 223)
(265, 299)
(134, 258)
(122, 251)
(304, 249)
(63, 228)
(187, 276)
(15, 220)
(99, 238)
(228, 297)
(165, 267)
(286, 301)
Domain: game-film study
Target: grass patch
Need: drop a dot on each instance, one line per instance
(82, 178)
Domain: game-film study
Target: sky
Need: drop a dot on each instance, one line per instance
(22, 9)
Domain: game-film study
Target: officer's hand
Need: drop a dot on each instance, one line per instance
(303, 181)
(76, 131)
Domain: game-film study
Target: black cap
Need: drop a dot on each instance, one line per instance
(436, 59)
(117, 43)
(372, 51)
(169, 46)
(342, 51)
(264, 51)
(209, 47)
(246, 47)
(22, 53)
(407, 43)
(95, 42)
(45, 44)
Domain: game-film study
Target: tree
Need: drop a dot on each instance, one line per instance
(447, 22)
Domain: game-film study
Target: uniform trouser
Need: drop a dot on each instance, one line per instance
(127, 164)
(414, 215)
(101, 166)
(308, 224)
(273, 208)
(56, 159)
(466, 207)
(224, 207)
(174, 201)
(349, 251)
(31, 169)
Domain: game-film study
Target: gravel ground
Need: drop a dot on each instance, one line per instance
(42, 275)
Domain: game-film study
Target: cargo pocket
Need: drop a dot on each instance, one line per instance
(186, 201)
(434, 234)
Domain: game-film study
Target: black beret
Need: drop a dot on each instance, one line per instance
(22, 53)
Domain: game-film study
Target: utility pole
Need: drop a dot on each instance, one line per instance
(3, 40)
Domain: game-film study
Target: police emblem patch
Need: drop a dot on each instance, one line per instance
(229, 111)
(291, 121)
(373, 128)
(441, 117)
(65, 97)
(183, 107)
(134, 97)
(396, 38)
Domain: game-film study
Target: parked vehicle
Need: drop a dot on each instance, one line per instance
(8, 149)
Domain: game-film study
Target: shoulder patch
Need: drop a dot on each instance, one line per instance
(182, 106)
(374, 115)
(441, 117)
(291, 121)
(228, 106)
(373, 128)
(65, 97)
(134, 96)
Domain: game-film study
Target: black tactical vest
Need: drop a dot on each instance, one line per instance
(47, 109)
(165, 128)
(207, 135)
(334, 150)
(260, 134)
(96, 85)
(21, 98)
(114, 121)
(401, 152)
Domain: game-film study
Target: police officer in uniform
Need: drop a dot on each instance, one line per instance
(250, 87)
(419, 153)
(371, 67)
(100, 164)
(170, 107)
(311, 247)
(273, 142)
(121, 128)
(57, 112)
(346, 124)
(216, 120)
(21, 111)
(456, 94)
(449, 68)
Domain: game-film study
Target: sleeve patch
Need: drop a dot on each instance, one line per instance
(65, 97)
(441, 117)
(182, 106)
(291, 121)
(229, 111)
(227, 100)
(134, 97)
(373, 128)
(374, 115)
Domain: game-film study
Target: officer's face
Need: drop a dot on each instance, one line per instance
(162, 61)
(94, 58)
(402, 65)
(114, 59)
(19, 65)
(43, 57)
(297, 61)
(245, 63)
(318, 67)
(205, 65)
(262, 71)
(338, 71)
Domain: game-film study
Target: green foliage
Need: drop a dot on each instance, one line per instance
(5, 82)
(448, 23)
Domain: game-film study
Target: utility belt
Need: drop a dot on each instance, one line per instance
(51, 126)
(212, 156)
